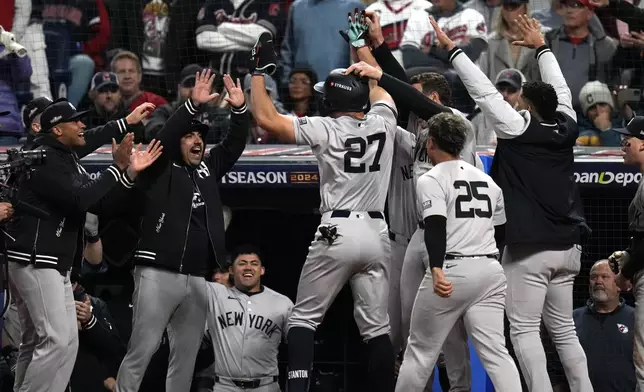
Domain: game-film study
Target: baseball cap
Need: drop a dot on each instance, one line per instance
(102, 79)
(510, 76)
(188, 73)
(515, 2)
(34, 108)
(60, 111)
(200, 127)
(634, 128)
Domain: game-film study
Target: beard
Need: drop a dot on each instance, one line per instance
(600, 295)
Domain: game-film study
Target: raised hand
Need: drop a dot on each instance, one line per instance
(235, 96)
(375, 30)
(202, 92)
(443, 40)
(530, 29)
(141, 160)
(121, 153)
(142, 111)
(358, 28)
(364, 70)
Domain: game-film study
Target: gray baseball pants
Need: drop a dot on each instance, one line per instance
(227, 385)
(394, 268)
(456, 348)
(48, 328)
(638, 334)
(540, 286)
(359, 257)
(164, 299)
(478, 298)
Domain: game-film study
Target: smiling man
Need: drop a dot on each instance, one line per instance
(181, 236)
(248, 323)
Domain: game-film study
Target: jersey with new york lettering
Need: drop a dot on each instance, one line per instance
(470, 201)
(636, 210)
(246, 330)
(393, 19)
(354, 156)
(401, 195)
(422, 164)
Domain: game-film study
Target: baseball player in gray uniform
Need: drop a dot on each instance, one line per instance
(247, 323)
(629, 263)
(354, 153)
(461, 206)
(533, 165)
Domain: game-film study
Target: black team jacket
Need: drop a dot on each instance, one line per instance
(165, 192)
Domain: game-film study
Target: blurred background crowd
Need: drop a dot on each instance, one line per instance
(111, 55)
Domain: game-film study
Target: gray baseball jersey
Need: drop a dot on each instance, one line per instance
(636, 210)
(246, 330)
(401, 194)
(355, 158)
(354, 165)
(469, 199)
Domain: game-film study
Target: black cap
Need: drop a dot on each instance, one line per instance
(34, 108)
(198, 126)
(188, 74)
(102, 79)
(517, 2)
(634, 128)
(5, 113)
(60, 111)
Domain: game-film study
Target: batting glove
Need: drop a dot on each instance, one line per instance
(618, 259)
(356, 34)
(263, 60)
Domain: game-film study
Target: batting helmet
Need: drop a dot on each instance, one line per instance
(347, 93)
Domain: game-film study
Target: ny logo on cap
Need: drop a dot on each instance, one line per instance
(70, 105)
(57, 118)
(106, 77)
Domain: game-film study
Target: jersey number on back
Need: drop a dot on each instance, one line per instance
(472, 192)
(357, 154)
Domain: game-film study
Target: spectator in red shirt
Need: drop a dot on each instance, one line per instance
(127, 66)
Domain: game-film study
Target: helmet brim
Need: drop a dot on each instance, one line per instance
(319, 87)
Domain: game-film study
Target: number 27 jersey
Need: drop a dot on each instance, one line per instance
(354, 157)
(470, 201)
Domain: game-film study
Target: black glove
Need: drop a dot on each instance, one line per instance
(263, 59)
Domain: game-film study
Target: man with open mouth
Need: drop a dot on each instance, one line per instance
(181, 236)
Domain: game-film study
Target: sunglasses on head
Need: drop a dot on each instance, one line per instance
(573, 4)
(110, 88)
(512, 6)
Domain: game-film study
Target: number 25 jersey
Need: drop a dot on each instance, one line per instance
(470, 201)
(354, 156)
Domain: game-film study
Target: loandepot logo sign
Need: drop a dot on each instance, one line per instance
(608, 178)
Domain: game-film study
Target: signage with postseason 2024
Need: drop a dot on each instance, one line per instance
(280, 166)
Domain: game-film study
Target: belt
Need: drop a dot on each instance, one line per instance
(347, 213)
(248, 384)
(393, 236)
(457, 257)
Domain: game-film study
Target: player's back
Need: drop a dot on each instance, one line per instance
(354, 157)
(473, 206)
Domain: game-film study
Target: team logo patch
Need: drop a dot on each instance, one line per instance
(622, 328)
(302, 121)
(274, 9)
(427, 204)
(480, 28)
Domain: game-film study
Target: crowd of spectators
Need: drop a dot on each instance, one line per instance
(109, 56)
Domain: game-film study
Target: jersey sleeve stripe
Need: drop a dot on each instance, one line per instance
(541, 50)
(453, 53)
